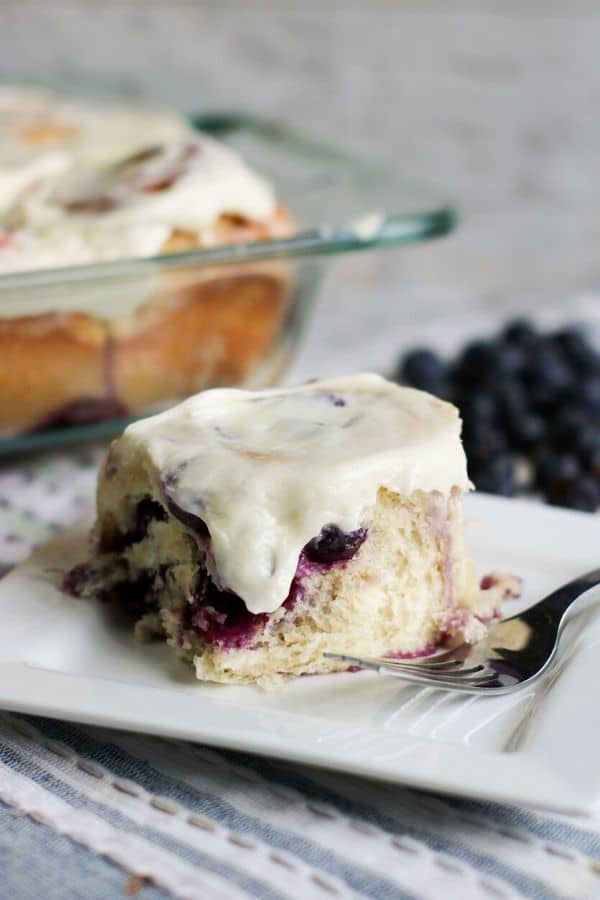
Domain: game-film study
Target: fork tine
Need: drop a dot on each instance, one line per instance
(447, 665)
(472, 674)
(407, 666)
(464, 675)
(445, 683)
(479, 676)
(458, 670)
(503, 668)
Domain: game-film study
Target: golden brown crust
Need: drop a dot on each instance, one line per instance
(43, 133)
(207, 333)
(48, 363)
(232, 228)
(201, 327)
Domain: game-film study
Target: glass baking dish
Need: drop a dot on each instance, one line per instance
(235, 313)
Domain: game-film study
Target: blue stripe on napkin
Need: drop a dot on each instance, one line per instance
(546, 828)
(36, 861)
(300, 781)
(21, 763)
(122, 764)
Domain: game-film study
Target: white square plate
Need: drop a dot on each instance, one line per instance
(67, 658)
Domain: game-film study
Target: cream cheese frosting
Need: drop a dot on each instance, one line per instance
(265, 471)
(43, 134)
(184, 184)
(84, 183)
(18, 171)
(91, 131)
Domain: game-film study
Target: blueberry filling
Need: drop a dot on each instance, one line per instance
(134, 598)
(333, 545)
(215, 615)
(75, 580)
(147, 511)
(188, 519)
(170, 479)
(220, 616)
(335, 399)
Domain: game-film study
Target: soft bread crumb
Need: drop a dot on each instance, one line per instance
(408, 586)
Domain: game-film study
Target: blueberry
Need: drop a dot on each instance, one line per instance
(547, 381)
(510, 360)
(590, 460)
(135, 598)
(444, 390)
(577, 350)
(521, 332)
(225, 602)
(542, 397)
(546, 368)
(496, 476)
(476, 363)
(553, 468)
(589, 395)
(478, 407)
(527, 431)
(583, 396)
(482, 442)
(75, 579)
(528, 393)
(189, 520)
(511, 402)
(567, 427)
(569, 340)
(587, 444)
(423, 369)
(332, 544)
(219, 616)
(581, 493)
(335, 399)
(488, 363)
(149, 510)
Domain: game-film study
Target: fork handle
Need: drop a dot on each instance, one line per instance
(559, 602)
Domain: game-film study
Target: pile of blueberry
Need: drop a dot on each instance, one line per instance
(530, 403)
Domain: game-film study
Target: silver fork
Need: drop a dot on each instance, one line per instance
(514, 652)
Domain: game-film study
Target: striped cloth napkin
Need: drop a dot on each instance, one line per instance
(92, 813)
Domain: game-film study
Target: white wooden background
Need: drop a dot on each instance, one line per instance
(498, 102)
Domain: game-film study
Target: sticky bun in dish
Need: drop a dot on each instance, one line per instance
(75, 351)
